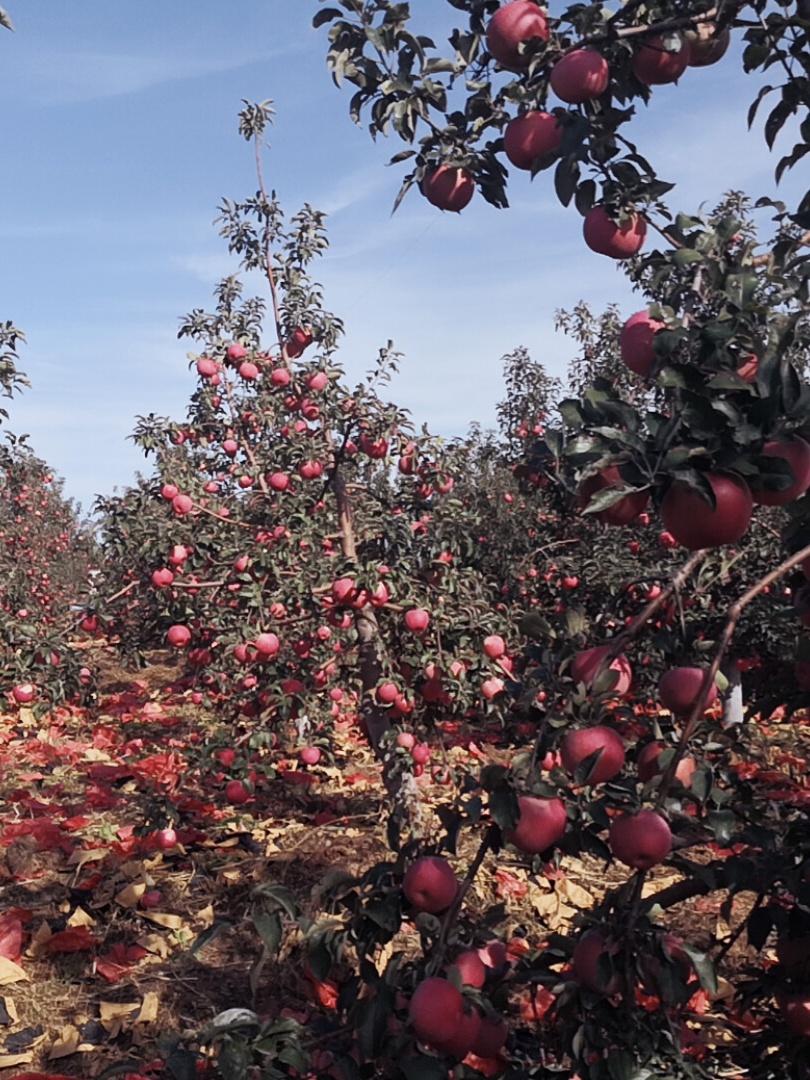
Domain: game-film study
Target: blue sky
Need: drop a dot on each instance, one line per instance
(119, 133)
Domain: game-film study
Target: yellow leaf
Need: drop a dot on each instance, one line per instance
(80, 857)
(206, 916)
(7, 1061)
(11, 972)
(38, 939)
(65, 1044)
(81, 918)
(575, 894)
(149, 1009)
(129, 896)
(155, 943)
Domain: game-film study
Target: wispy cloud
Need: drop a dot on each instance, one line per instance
(56, 77)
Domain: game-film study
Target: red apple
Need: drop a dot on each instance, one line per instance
(236, 352)
(267, 645)
(530, 136)
(618, 240)
(490, 688)
(636, 342)
(471, 968)
(679, 687)
(693, 522)
(236, 793)
(796, 452)
(587, 961)
(581, 75)
(179, 636)
(542, 823)
(649, 764)
(417, 620)
(182, 505)
(588, 663)
(436, 1009)
(621, 512)
(582, 744)
(310, 755)
(795, 1010)
(654, 64)
(24, 693)
(449, 188)
(490, 1039)
(513, 25)
(494, 646)
(641, 840)
(162, 578)
(430, 884)
(705, 45)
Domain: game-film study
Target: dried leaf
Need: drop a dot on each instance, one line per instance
(130, 895)
(81, 918)
(163, 918)
(65, 1044)
(9, 1060)
(149, 1009)
(11, 972)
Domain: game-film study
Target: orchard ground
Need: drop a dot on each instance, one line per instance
(128, 878)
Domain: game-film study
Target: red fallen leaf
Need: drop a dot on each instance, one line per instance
(324, 991)
(104, 737)
(119, 961)
(509, 885)
(41, 1076)
(533, 1007)
(357, 778)
(493, 1066)
(698, 1002)
(517, 947)
(476, 752)
(11, 935)
(75, 824)
(47, 835)
(25, 915)
(74, 939)
(324, 817)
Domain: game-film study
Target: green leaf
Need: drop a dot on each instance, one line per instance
(325, 16)
(566, 178)
(704, 968)
(268, 926)
(423, 1067)
(722, 823)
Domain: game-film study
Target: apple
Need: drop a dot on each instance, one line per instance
(236, 793)
(641, 840)
(421, 753)
(581, 75)
(430, 884)
(166, 838)
(796, 452)
(705, 45)
(649, 764)
(636, 342)
(795, 1010)
(541, 824)
(435, 1009)
(679, 687)
(654, 64)
(494, 953)
(318, 380)
(471, 968)
(617, 240)
(406, 739)
(513, 25)
(387, 694)
(310, 755)
(344, 591)
(494, 646)
(459, 1041)
(168, 492)
(207, 367)
(587, 664)
(417, 620)
(182, 505)
(587, 961)
(693, 522)
(624, 510)
(24, 693)
(179, 636)
(490, 1039)
(278, 481)
(530, 136)
(449, 187)
(267, 645)
(162, 578)
(576, 746)
(248, 371)
(490, 688)
(236, 352)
